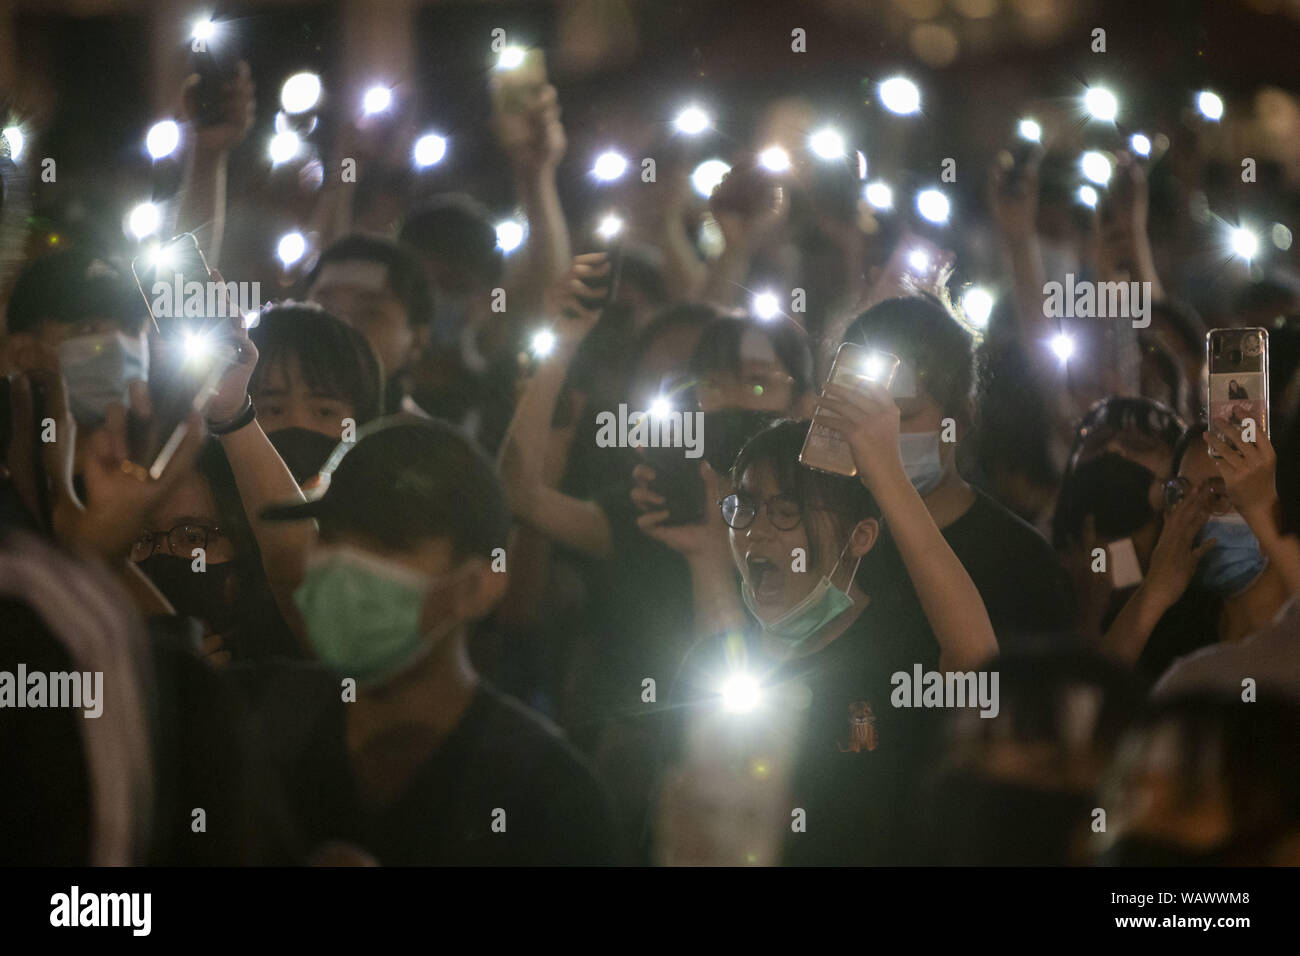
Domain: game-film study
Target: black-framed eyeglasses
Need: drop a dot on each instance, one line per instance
(180, 540)
(740, 510)
(1176, 489)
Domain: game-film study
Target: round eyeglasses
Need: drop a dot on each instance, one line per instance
(180, 540)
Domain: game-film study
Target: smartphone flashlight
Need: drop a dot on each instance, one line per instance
(774, 159)
(429, 150)
(1101, 104)
(692, 121)
(741, 693)
(933, 206)
(543, 343)
(609, 166)
(377, 100)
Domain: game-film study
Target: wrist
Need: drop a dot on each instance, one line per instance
(243, 416)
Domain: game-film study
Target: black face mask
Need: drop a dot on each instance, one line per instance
(986, 822)
(206, 595)
(727, 430)
(1114, 490)
(1147, 851)
(304, 451)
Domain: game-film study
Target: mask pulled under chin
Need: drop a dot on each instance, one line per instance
(823, 604)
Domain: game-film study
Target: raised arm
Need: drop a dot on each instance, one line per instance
(868, 420)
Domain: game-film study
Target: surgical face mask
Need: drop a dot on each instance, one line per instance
(1235, 561)
(304, 451)
(98, 370)
(727, 430)
(921, 461)
(363, 613)
(817, 608)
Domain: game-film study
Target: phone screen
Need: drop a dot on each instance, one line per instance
(854, 366)
(513, 88)
(1237, 360)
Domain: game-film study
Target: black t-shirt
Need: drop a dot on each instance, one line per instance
(504, 788)
(1025, 589)
(856, 758)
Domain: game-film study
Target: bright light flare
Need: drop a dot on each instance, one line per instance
(1062, 346)
(827, 143)
(1101, 104)
(429, 150)
(1030, 130)
(900, 95)
(766, 305)
(284, 147)
(774, 159)
(661, 407)
(162, 139)
(15, 140)
(1096, 167)
(692, 121)
(543, 343)
(511, 58)
(1244, 243)
(977, 303)
(1140, 144)
(707, 175)
(291, 248)
(933, 205)
(144, 220)
(510, 235)
(879, 195)
(609, 166)
(300, 92)
(741, 693)
(376, 100)
(1209, 105)
(609, 227)
(1088, 196)
(204, 30)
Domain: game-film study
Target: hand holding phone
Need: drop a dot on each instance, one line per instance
(855, 366)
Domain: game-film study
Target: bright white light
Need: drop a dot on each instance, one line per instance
(543, 343)
(300, 92)
(874, 366)
(692, 121)
(291, 247)
(774, 159)
(933, 205)
(252, 319)
(1244, 243)
(196, 347)
(1101, 103)
(977, 303)
(162, 139)
(204, 30)
(144, 220)
(429, 150)
(284, 147)
(766, 305)
(16, 141)
(1088, 196)
(1096, 167)
(1281, 236)
(918, 260)
(707, 175)
(376, 100)
(661, 407)
(510, 233)
(511, 58)
(1210, 105)
(609, 226)
(879, 195)
(740, 694)
(827, 143)
(609, 166)
(900, 95)
(1030, 130)
(1063, 346)
(1140, 144)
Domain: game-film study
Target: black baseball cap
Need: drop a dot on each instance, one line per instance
(72, 285)
(407, 478)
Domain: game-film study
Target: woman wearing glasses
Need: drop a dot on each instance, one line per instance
(824, 651)
(1219, 570)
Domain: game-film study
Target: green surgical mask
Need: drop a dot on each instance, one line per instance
(810, 614)
(363, 613)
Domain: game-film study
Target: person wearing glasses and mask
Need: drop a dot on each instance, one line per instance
(821, 645)
(1209, 580)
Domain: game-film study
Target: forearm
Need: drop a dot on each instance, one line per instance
(1282, 550)
(726, 277)
(263, 480)
(683, 269)
(202, 206)
(1128, 634)
(548, 255)
(952, 604)
(523, 450)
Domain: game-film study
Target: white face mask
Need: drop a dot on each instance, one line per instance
(99, 369)
(921, 460)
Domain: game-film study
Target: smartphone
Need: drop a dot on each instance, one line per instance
(215, 67)
(1023, 155)
(192, 346)
(855, 365)
(514, 89)
(605, 286)
(1237, 360)
(1125, 571)
(678, 480)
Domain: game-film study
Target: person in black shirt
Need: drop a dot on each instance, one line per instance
(1019, 577)
(822, 668)
(422, 763)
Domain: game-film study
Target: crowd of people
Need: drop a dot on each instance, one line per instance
(391, 596)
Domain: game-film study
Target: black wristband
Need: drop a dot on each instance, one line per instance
(245, 417)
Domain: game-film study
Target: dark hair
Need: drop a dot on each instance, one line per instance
(718, 349)
(72, 285)
(1124, 413)
(777, 447)
(455, 229)
(405, 278)
(922, 331)
(335, 358)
